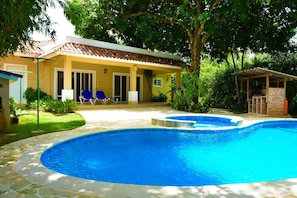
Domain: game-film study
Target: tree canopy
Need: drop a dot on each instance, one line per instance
(264, 28)
(186, 26)
(18, 21)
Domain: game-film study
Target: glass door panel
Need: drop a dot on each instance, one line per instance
(122, 87)
(80, 81)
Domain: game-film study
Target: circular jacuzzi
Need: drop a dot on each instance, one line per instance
(198, 121)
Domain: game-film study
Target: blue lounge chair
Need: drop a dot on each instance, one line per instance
(103, 99)
(87, 95)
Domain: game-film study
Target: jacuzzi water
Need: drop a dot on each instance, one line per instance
(207, 120)
(265, 151)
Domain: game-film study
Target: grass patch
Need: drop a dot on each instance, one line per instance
(48, 123)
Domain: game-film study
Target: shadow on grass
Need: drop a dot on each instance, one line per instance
(21, 131)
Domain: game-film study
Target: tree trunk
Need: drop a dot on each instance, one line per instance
(242, 68)
(236, 80)
(198, 39)
(195, 65)
(195, 60)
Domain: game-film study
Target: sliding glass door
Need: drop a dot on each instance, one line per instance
(81, 80)
(122, 86)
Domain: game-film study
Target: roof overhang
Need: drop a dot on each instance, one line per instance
(262, 73)
(116, 61)
(9, 75)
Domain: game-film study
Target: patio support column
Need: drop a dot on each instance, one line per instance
(133, 93)
(67, 92)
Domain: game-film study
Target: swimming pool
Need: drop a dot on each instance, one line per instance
(181, 157)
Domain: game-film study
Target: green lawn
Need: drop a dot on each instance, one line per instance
(48, 123)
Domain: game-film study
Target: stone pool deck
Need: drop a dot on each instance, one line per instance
(22, 175)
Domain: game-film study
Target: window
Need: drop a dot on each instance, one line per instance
(158, 82)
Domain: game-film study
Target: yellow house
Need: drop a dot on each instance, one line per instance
(82, 64)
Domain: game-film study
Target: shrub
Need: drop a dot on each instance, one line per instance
(70, 106)
(58, 106)
(223, 92)
(293, 106)
(186, 96)
(15, 112)
(31, 95)
(42, 103)
(45, 103)
(32, 105)
(160, 98)
(48, 104)
(53, 106)
(180, 102)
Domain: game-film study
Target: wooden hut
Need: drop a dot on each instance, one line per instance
(269, 96)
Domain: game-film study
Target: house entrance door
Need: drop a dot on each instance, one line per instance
(122, 86)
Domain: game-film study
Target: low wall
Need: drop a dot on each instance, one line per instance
(275, 104)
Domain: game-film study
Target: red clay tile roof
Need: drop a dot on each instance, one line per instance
(43, 48)
(75, 48)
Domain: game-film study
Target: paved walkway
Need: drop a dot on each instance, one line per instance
(22, 175)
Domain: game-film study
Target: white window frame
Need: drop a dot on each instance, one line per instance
(157, 82)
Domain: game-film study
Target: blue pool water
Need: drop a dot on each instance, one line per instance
(265, 151)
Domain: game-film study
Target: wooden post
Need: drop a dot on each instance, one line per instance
(267, 88)
(247, 89)
(248, 94)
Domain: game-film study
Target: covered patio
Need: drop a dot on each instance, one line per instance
(266, 91)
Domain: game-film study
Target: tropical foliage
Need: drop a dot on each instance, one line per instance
(162, 97)
(18, 21)
(183, 96)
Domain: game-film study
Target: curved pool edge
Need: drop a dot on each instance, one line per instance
(27, 165)
(168, 122)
